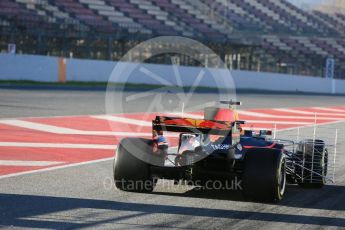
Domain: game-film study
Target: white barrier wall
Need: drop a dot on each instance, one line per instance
(46, 69)
(284, 82)
(89, 70)
(28, 67)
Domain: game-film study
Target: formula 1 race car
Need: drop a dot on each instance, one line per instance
(217, 148)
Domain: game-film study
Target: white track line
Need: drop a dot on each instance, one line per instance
(56, 145)
(280, 122)
(28, 163)
(330, 109)
(196, 116)
(293, 111)
(185, 115)
(141, 122)
(58, 130)
(38, 126)
(308, 126)
(256, 128)
(123, 120)
(256, 114)
(111, 158)
(308, 112)
(55, 168)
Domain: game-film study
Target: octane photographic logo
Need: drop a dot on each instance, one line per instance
(138, 91)
(235, 184)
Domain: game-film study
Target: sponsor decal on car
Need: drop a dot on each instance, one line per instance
(220, 146)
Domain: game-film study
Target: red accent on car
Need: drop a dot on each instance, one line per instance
(224, 114)
(212, 125)
(251, 147)
(183, 122)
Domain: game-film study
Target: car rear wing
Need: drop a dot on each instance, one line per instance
(190, 125)
(231, 102)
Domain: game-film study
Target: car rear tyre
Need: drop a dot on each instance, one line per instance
(311, 163)
(264, 177)
(131, 170)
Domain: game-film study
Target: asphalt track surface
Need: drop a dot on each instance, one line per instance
(83, 196)
(40, 103)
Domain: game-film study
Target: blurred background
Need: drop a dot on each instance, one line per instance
(286, 59)
(279, 36)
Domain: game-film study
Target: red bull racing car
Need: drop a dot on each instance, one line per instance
(216, 148)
